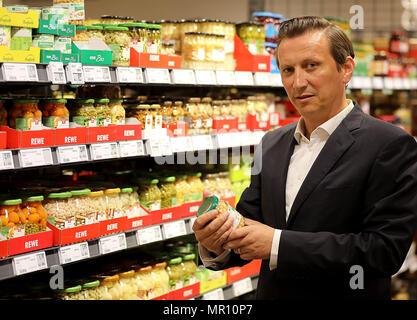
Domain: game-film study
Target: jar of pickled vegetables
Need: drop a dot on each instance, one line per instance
(95, 32)
(182, 188)
(155, 112)
(190, 269)
(109, 288)
(128, 285)
(149, 194)
(3, 114)
(34, 215)
(117, 111)
(251, 105)
(225, 109)
(143, 114)
(217, 110)
(84, 113)
(55, 114)
(25, 115)
(154, 39)
(176, 272)
(104, 118)
(98, 205)
(63, 215)
(193, 116)
(145, 283)
(72, 293)
(161, 279)
(125, 200)
(207, 114)
(196, 185)
(12, 218)
(118, 40)
(113, 204)
(134, 204)
(166, 112)
(168, 192)
(209, 183)
(80, 201)
(178, 111)
(91, 290)
(138, 32)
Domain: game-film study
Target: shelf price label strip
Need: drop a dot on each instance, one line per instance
(216, 294)
(35, 157)
(129, 75)
(74, 252)
(148, 235)
(174, 229)
(69, 154)
(112, 243)
(21, 72)
(101, 151)
(96, 74)
(131, 148)
(242, 286)
(56, 73)
(29, 263)
(183, 76)
(153, 75)
(75, 74)
(6, 160)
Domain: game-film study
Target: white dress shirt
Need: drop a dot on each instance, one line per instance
(305, 153)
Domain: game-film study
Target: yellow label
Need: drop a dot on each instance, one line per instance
(27, 20)
(30, 56)
(206, 286)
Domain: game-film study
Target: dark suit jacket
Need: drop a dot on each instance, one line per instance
(357, 206)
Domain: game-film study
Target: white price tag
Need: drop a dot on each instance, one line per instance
(153, 147)
(129, 75)
(225, 78)
(113, 243)
(100, 151)
(74, 252)
(29, 263)
(388, 83)
(262, 79)
(6, 160)
(20, 72)
(224, 140)
(242, 286)
(75, 73)
(205, 77)
(132, 148)
(245, 138)
(174, 229)
(56, 73)
(96, 74)
(365, 82)
(244, 78)
(148, 235)
(275, 80)
(216, 294)
(398, 83)
(35, 157)
(154, 75)
(378, 83)
(257, 137)
(183, 76)
(202, 142)
(407, 83)
(181, 144)
(413, 83)
(68, 154)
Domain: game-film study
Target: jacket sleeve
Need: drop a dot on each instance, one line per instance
(387, 224)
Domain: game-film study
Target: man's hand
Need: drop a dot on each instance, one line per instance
(252, 241)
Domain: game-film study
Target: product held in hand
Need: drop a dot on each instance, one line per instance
(214, 203)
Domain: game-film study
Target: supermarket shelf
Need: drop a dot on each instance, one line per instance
(17, 159)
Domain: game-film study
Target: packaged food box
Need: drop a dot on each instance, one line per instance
(21, 38)
(59, 14)
(5, 36)
(62, 44)
(76, 10)
(43, 41)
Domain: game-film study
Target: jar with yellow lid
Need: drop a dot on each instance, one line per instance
(161, 279)
(155, 112)
(128, 285)
(117, 111)
(118, 40)
(113, 203)
(98, 205)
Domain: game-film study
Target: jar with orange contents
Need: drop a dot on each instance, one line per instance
(10, 217)
(25, 115)
(55, 114)
(34, 214)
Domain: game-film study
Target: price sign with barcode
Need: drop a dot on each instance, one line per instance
(183, 76)
(262, 79)
(6, 160)
(35, 157)
(132, 148)
(174, 229)
(20, 72)
(148, 235)
(74, 252)
(388, 83)
(224, 140)
(225, 78)
(205, 77)
(100, 151)
(216, 294)
(96, 74)
(56, 73)
(129, 75)
(407, 83)
(244, 78)
(75, 74)
(158, 146)
(202, 142)
(365, 82)
(398, 83)
(275, 80)
(378, 83)
(154, 75)
(68, 154)
(181, 144)
(242, 286)
(113, 243)
(413, 83)
(29, 263)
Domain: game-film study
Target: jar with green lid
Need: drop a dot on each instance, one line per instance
(80, 201)
(149, 194)
(118, 40)
(196, 186)
(98, 205)
(55, 114)
(95, 32)
(113, 203)
(138, 35)
(62, 214)
(117, 111)
(3, 114)
(168, 192)
(161, 279)
(103, 112)
(190, 269)
(84, 113)
(176, 272)
(25, 115)
(33, 214)
(154, 39)
(72, 293)
(11, 218)
(91, 290)
(182, 188)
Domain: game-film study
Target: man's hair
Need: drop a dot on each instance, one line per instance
(340, 45)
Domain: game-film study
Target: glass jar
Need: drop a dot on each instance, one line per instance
(154, 39)
(138, 35)
(380, 64)
(226, 109)
(109, 288)
(178, 112)
(3, 114)
(209, 183)
(190, 269)
(155, 112)
(166, 112)
(113, 204)
(196, 186)
(206, 113)
(63, 215)
(145, 283)
(176, 272)
(193, 116)
(98, 205)
(55, 114)
(125, 200)
(118, 40)
(149, 194)
(134, 204)
(104, 118)
(80, 202)
(80, 34)
(84, 113)
(34, 214)
(91, 290)
(182, 188)
(161, 279)
(251, 105)
(168, 192)
(12, 218)
(117, 111)
(25, 115)
(72, 293)
(244, 110)
(142, 113)
(128, 285)
(225, 185)
(95, 32)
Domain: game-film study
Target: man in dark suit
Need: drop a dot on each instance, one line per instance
(332, 205)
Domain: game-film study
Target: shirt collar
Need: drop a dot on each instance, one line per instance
(327, 127)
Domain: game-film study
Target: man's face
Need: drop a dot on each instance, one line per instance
(310, 76)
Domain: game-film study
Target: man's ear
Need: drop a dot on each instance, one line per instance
(347, 68)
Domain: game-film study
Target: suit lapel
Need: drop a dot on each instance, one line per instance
(335, 147)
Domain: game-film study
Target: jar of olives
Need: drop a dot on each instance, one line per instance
(84, 113)
(103, 112)
(197, 187)
(118, 40)
(168, 192)
(117, 111)
(190, 269)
